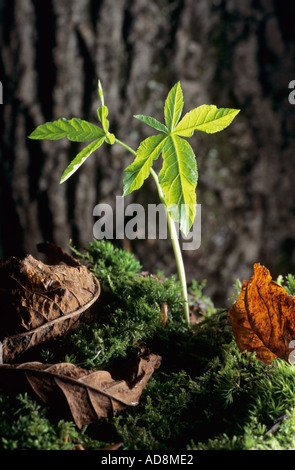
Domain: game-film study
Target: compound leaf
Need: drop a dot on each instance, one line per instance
(139, 170)
(178, 179)
(76, 130)
(81, 157)
(178, 176)
(206, 118)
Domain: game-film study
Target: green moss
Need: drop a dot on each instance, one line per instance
(24, 424)
(289, 284)
(205, 395)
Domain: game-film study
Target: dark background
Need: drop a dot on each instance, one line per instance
(229, 53)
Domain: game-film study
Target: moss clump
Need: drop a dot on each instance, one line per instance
(206, 394)
(24, 424)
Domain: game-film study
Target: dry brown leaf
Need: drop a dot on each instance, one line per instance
(40, 301)
(263, 317)
(88, 394)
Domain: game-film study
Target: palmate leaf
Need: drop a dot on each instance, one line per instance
(206, 118)
(178, 176)
(76, 130)
(81, 157)
(178, 179)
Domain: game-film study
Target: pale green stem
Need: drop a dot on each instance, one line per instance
(174, 238)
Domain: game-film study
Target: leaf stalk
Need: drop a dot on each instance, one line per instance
(173, 236)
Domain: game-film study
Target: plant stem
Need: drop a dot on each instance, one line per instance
(173, 236)
(176, 249)
(117, 141)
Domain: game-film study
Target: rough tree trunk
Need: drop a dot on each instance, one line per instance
(232, 54)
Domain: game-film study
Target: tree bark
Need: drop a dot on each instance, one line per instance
(232, 54)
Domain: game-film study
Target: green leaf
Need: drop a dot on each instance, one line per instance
(173, 106)
(206, 118)
(110, 138)
(102, 114)
(139, 170)
(178, 176)
(80, 158)
(74, 129)
(178, 179)
(103, 111)
(100, 92)
(152, 122)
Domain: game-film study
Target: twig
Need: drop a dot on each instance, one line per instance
(275, 426)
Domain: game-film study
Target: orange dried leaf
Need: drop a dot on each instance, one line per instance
(246, 338)
(263, 317)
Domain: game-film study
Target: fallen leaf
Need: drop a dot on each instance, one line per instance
(246, 338)
(40, 301)
(263, 317)
(88, 394)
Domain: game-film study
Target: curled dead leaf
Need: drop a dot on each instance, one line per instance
(40, 301)
(88, 394)
(263, 317)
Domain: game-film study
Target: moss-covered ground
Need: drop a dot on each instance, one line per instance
(206, 394)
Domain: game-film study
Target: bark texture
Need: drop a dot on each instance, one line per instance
(232, 54)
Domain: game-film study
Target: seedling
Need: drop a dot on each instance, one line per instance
(177, 180)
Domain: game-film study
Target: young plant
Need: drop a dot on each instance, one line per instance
(176, 182)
